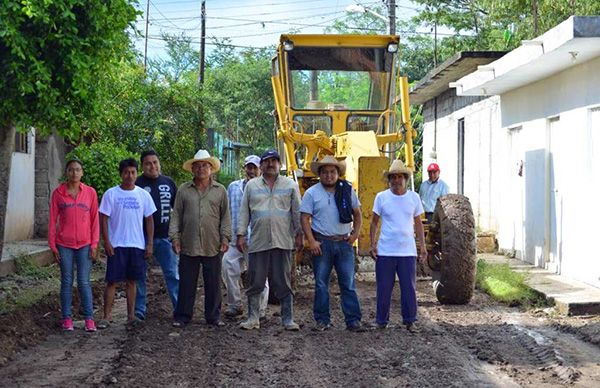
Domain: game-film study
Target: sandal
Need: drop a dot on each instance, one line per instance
(178, 324)
(103, 324)
(135, 322)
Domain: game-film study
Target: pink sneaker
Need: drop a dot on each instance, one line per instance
(67, 324)
(90, 325)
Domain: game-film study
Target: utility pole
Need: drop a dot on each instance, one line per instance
(392, 15)
(146, 40)
(202, 40)
(435, 42)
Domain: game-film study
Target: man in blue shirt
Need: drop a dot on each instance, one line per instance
(233, 259)
(330, 242)
(431, 190)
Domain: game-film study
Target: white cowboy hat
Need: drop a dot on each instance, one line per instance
(397, 167)
(203, 156)
(328, 160)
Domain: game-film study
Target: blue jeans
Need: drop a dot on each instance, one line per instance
(386, 268)
(163, 252)
(82, 259)
(338, 255)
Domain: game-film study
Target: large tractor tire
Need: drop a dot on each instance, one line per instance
(455, 252)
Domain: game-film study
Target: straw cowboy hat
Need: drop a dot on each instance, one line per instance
(397, 167)
(328, 161)
(203, 156)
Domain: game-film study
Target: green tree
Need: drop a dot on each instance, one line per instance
(51, 54)
(181, 58)
(238, 96)
(152, 112)
(497, 24)
(101, 163)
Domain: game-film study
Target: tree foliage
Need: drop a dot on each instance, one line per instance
(151, 112)
(100, 163)
(238, 96)
(497, 24)
(51, 53)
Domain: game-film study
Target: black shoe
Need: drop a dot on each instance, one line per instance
(218, 323)
(356, 328)
(178, 324)
(140, 317)
(234, 312)
(321, 326)
(412, 327)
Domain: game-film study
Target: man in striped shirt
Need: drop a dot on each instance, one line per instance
(271, 205)
(234, 260)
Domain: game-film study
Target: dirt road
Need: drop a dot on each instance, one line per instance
(481, 344)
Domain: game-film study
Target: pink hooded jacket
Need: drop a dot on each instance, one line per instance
(77, 218)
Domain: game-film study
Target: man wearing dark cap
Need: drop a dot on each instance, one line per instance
(432, 189)
(271, 206)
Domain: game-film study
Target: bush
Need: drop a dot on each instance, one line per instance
(101, 164)
(225, 179)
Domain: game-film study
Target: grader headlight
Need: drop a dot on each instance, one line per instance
(288, 45)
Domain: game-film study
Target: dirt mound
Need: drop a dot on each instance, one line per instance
(26, 327)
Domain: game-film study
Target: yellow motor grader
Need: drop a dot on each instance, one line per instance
(343, 95)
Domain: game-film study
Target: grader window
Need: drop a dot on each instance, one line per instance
(309, 124)
(339, 78)
(359, 123)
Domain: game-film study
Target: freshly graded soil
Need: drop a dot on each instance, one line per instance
(478, 344)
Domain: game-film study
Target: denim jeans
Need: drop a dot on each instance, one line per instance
(163, 252)
(81, 257)
(338, 255)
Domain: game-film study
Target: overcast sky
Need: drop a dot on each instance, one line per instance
(249, 23)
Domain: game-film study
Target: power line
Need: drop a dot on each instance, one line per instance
(248, 20)
(159, 38)
(304, 9)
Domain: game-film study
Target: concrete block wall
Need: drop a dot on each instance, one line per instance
(49, 167)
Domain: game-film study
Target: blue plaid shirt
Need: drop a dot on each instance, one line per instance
(235, 192)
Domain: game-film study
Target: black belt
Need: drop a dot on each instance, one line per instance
(336, 237)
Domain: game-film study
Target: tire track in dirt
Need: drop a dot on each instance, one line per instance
(510, 343)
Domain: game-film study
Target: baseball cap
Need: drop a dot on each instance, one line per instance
(255, 160)
(433, 167)
(270, 154)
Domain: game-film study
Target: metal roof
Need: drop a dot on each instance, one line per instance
(574, 41)
(437, 80)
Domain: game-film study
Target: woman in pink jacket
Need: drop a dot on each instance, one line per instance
(73, 234)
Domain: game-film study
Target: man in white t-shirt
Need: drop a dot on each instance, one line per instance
(123, 212)
(395, 252)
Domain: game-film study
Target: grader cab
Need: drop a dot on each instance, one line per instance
(343, 95)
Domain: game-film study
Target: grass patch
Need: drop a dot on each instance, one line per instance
(506, 286)
(28, 284)
(27, 267)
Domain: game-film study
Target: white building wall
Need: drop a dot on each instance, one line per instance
(532, 158)
(20, 204)
(561, 145)
(482, 122)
